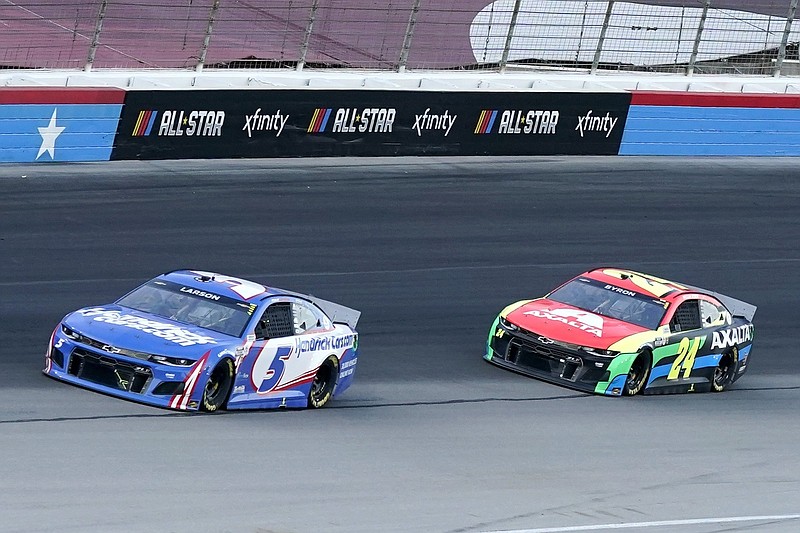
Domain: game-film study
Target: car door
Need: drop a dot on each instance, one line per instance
(264, 366)
(291, 342)
(684, 363)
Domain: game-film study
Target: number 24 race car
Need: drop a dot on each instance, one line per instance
(197, 340)
(618, 332)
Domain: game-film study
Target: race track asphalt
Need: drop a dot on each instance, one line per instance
(430, 438)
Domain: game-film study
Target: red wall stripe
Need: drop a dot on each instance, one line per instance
(688, 99)
(61, 95)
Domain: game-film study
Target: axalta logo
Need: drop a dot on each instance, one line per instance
(730, 337)
(518, 121)
(575, 318)
(352, 120)
(434, 122)
(591, 123)
(180, 123)
(270, 122)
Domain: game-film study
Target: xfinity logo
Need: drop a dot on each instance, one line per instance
(589, 123)
(270, 123)
(427, 122)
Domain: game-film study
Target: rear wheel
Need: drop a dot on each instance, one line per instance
(219, 384)
(324, 382)
(723, 373)
(638, 374)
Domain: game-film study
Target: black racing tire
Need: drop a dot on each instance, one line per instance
(724, 371)
(324, 383)
(638, 374)
(218, 386)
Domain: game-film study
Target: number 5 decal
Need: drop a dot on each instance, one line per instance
(687, 350)
(275, 371)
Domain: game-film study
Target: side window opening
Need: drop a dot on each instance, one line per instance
(686, 317)
(710, 314)
(305, 318)
(276, 322)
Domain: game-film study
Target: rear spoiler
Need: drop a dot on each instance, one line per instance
(736, 307)
(336, 312)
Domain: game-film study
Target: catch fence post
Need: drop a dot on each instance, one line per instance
(412, 21)
(785, 39)
(601, 40)
(307, 35)
(98, 27)
(212, 16)
(509, 36)
(698, 37)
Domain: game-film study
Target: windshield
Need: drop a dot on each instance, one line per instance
(611, 301)
(190, 306)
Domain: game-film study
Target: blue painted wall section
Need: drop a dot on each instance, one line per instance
(45, 125)
(712, 124)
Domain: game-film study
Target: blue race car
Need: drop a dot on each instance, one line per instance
(194, 340)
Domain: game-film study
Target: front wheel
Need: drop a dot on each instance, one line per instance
(323, 384)
(219, 384)
(638, 374)
(723, 373)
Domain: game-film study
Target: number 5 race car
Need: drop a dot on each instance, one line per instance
(618, 332)
(198, 340)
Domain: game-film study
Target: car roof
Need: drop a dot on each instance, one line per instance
(214, 282)
(639, 282)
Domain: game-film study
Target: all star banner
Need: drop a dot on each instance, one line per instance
(177, 124)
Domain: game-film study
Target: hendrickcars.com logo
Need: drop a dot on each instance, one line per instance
(176, 123)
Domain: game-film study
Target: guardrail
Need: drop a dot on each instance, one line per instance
(683, 36)
(101, 124)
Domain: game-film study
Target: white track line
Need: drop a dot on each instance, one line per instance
(466, 268)
(660, 523)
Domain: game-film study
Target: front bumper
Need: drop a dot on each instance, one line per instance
(536, 356)
(119, 375)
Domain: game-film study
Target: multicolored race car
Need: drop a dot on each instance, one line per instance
(618, 332)
(198, 340)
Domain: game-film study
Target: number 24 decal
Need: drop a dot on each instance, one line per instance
(687, 350)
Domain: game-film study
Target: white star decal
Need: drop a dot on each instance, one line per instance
(49, 136)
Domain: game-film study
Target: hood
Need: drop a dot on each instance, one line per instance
(562, 322)
(122, 327)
